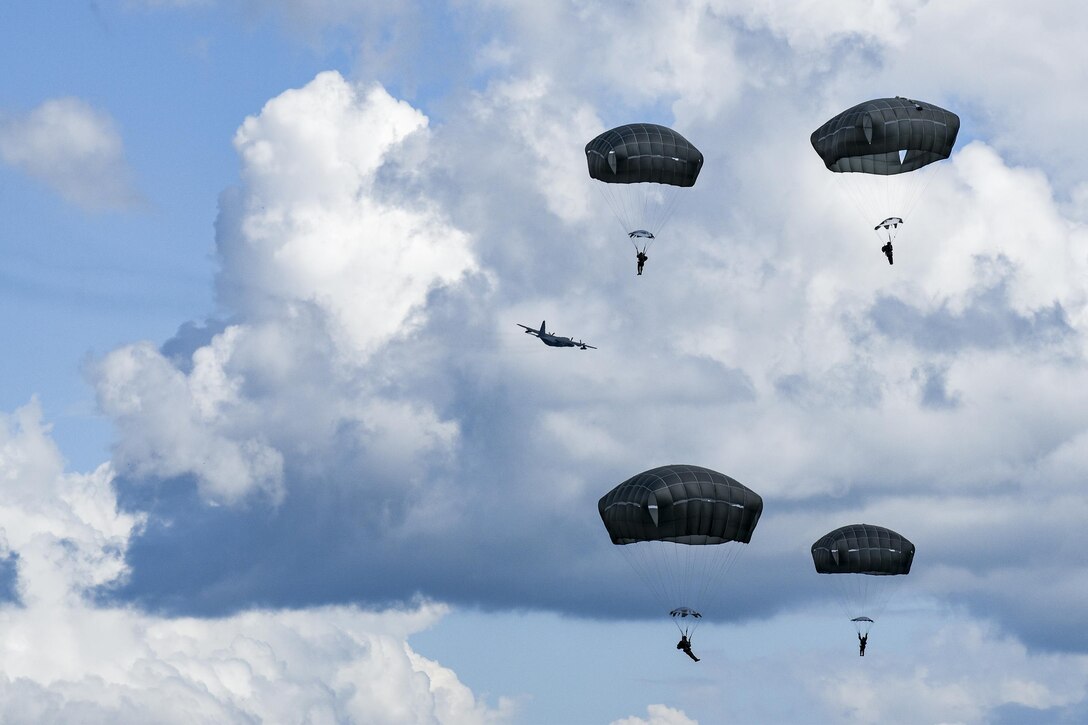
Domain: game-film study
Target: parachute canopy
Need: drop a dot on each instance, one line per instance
(863, 549)
(866, 560)
(681, 504)
(681, 528)
(643, 167)
(886, 136)
(874, 145)
(643, 152)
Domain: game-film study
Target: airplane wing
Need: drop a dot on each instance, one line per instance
(585, 346)
(530, 330)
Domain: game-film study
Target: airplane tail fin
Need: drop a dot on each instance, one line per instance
(542, 332)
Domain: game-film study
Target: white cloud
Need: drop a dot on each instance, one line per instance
(658, 715)
(65, 659)
(73, 148)
(810, 27)
(171, 424)
(639, 53)
(64, 528)
(315, 225)
(324, 263)
(541, 119)
(319, 665)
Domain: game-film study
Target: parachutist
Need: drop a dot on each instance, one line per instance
(641, 257)
(869, 558)
(685, 644)
(641, 168)
(887, 249)
(880, 145)
(707, 514)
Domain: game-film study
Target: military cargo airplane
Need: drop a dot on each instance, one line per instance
(554, 340)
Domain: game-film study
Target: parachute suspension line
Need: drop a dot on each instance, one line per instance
(645, 206)
(615, 203)
(883, 197)
(924, 177)
(683, 575)
(716, 576)
(871, 197)
(639, 558)
(643, 217)
(864, 595)
(854, 190)
(668, 207)
(683, 571)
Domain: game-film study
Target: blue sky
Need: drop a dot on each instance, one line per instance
(274, 449)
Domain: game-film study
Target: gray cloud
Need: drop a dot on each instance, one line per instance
(934, 388)
(987, 320)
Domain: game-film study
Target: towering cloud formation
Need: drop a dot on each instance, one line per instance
(324, 261)
(314, 224)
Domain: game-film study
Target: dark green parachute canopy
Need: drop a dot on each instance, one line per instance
(643, 152)
(870, 137)
(863, 549)
(682, 504)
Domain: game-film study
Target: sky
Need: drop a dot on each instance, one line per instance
(273, 448)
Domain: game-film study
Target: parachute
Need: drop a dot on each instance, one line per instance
(685, 612)
(641, 167)
(884, 152)
(866, 561)
(681, 528)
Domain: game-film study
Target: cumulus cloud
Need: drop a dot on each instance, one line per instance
(64, 658)
(323, 264)
(74, 149)
(64, 529)
(172, 423)
(312, 226)
(540, 119)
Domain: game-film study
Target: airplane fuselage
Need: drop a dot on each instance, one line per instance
(554, 340)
